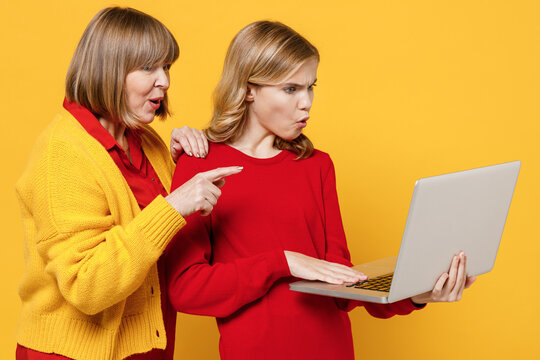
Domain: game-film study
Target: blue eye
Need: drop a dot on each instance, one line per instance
(290, 90)
(166, 67)
(312, 86)
(147, 68)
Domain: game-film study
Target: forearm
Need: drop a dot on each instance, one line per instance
(96, 268)
(222, 288)
(381, 311)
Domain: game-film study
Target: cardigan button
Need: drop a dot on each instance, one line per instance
(157, 333)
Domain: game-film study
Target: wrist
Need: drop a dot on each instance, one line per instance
(171, 200)
(417, 303)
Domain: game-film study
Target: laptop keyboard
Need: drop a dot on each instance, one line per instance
(379, 283)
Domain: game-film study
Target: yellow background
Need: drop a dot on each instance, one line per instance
(406, 89)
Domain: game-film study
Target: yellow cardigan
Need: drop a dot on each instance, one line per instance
(91, 288)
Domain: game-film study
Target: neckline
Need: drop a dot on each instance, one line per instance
(261, 161)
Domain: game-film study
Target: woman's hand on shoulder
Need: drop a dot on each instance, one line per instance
(310, 268)
(450, 285)
(188, 140)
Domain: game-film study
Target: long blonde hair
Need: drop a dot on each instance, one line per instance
(117, 41)
(262, 53)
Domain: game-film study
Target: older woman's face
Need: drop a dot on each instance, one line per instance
(145, 89)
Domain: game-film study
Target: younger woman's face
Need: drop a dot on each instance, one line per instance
(145, 89)
(283, 109)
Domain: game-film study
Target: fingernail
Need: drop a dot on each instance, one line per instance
(197, 155)
(190, 154)
(240, 167)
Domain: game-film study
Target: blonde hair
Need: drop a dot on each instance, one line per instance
(262, 53)
(116, 42)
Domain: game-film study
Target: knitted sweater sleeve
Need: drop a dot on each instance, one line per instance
(196, 284)
(73, 213)
(337, 251)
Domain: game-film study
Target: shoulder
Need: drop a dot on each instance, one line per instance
(219, 155)
(319, 159)
(319, 155)
(65, 153)
(217, 152)
(319, 164)
(62, 167)
(62, 140)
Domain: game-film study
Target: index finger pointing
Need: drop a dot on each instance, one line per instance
(219, 173)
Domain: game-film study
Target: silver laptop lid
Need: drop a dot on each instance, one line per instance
(460, 211)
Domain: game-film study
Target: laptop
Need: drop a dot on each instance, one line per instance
(449, 213)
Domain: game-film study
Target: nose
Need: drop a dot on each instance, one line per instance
(305, 101)
(162, 79)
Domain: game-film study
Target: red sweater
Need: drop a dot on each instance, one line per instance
(231, 264)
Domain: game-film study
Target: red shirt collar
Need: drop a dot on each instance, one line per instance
(92, 125)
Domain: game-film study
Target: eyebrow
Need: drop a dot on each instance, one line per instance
(297, 85)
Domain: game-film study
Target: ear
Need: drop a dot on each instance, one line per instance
(250, 93)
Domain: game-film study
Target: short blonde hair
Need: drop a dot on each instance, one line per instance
(262, 53)
(116, 42)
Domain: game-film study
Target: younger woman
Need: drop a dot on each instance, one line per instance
(279, 218)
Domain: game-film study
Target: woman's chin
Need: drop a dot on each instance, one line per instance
(290, 137)
(145, 119)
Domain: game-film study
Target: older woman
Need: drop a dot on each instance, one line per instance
(96, 213)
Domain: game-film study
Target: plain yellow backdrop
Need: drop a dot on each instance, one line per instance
(406, 89)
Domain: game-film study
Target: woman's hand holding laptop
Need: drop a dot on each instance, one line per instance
(450, 285)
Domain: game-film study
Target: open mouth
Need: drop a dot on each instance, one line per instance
(155, 103)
